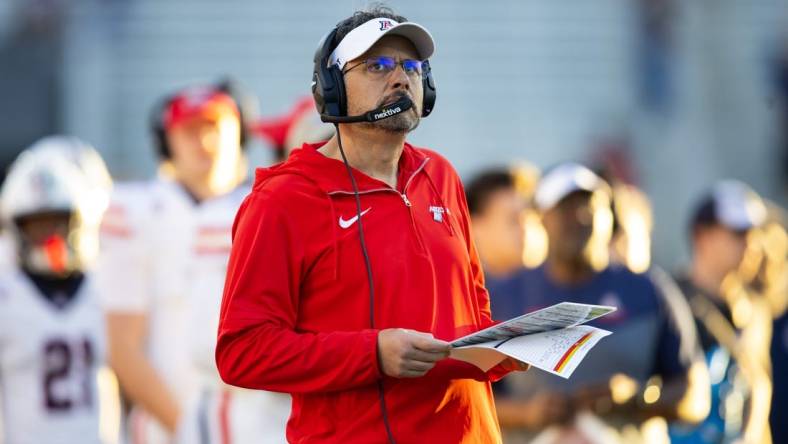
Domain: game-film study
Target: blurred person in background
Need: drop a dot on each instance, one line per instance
(631, 247)
(506, 228)
(763, 273)
(496, 208)
(287, 132)
(52, 335)
(165, 246)
(648, 367)
(734, 325)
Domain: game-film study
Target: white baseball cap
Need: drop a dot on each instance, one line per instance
(359, 40)
(733, 204)
(564, 180)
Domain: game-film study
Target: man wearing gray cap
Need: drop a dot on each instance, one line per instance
(352, 262)
(642, 370)
(732, 340)
(718, 231)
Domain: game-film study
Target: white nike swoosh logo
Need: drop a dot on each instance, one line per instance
(347, 223)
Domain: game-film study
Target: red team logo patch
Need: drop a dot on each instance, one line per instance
(385, 24)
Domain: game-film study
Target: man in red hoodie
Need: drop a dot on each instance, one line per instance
(363, 365)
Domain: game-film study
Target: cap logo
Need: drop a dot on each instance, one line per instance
(385, 24)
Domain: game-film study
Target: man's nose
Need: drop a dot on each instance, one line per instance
(399, 79)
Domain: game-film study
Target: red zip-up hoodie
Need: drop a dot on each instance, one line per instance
(295, 315)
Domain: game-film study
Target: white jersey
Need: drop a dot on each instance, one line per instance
(166, 256)
(49, 362)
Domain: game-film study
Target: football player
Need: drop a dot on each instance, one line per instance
(165, 246)
(52, 341)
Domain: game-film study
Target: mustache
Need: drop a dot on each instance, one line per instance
(391, 98)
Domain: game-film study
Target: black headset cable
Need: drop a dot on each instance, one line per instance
(368, 265)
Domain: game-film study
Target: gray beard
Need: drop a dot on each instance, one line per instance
(401, 123)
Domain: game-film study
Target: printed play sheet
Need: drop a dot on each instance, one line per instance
(551, 339)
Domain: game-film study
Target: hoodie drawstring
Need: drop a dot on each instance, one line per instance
(334, 235)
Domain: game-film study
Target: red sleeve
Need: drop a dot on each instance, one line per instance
(258, 346)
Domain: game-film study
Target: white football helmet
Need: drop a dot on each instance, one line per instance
(90, 163)
(39, 182)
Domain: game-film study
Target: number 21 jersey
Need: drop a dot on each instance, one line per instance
(49, 358)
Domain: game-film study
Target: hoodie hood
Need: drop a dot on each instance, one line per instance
(330, 175)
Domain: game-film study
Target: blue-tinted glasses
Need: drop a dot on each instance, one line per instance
(383, 65)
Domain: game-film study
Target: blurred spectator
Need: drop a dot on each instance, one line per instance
(165, 247)
(496, 209)
(733, 326)
(52, 336)
(646, 368)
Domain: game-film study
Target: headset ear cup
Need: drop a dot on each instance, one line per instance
(339, 81)
(317, 93)
(318, 73)
(331, 90)
(428, 90)
(328, 84)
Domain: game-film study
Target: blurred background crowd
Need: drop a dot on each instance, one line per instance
(629, 153)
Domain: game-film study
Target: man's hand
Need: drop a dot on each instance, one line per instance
(409, 354)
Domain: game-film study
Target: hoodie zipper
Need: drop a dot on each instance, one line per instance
(404, 197)
(403, 194)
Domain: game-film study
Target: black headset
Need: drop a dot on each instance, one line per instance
(328, 83)
(157, 117)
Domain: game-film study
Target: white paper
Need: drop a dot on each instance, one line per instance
(550, 339)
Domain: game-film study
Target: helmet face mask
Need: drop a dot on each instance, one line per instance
(48, 243)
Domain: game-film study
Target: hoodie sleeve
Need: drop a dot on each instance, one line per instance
(258, 346)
